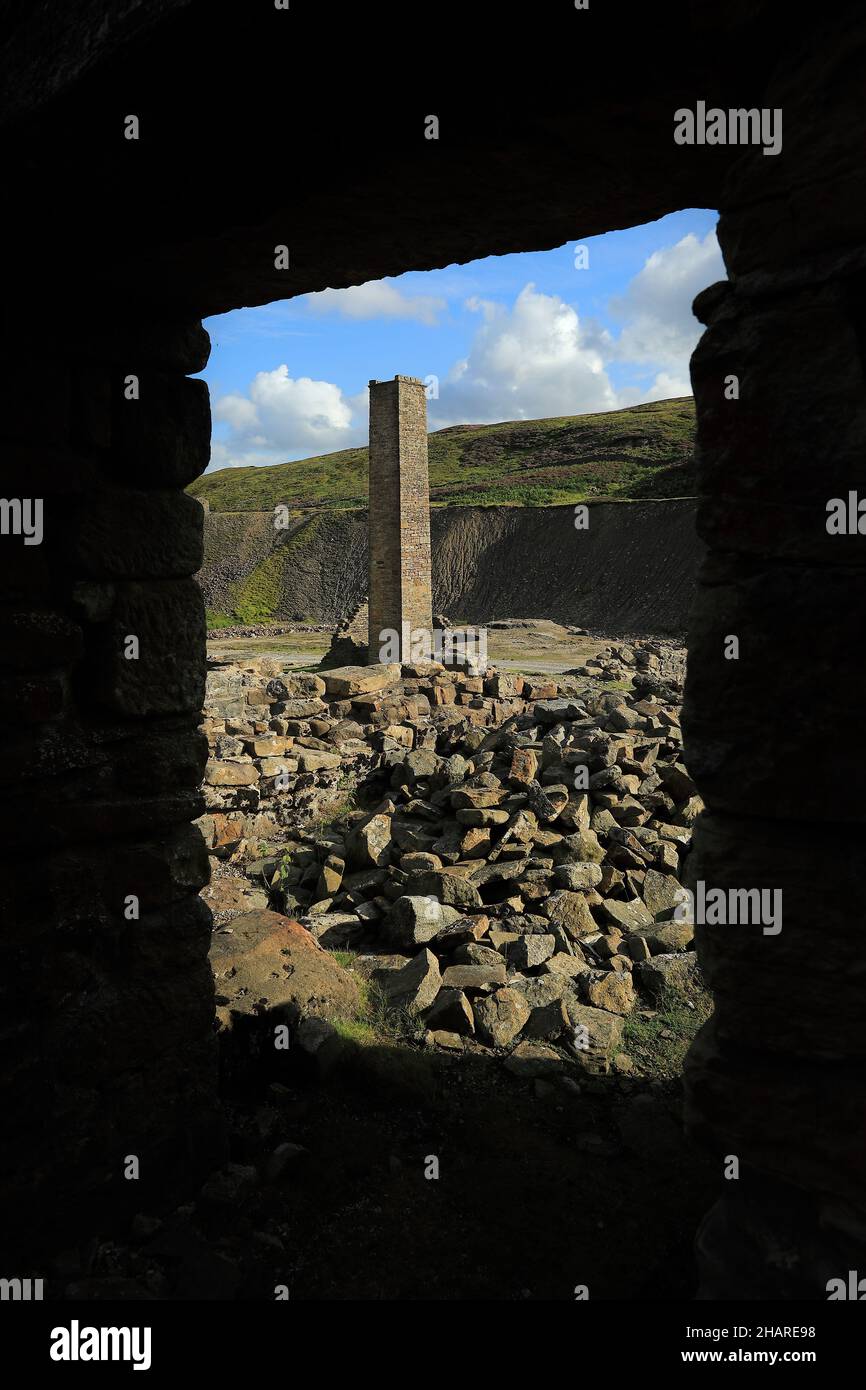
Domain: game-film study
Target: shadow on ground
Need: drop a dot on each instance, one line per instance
(541, 1188)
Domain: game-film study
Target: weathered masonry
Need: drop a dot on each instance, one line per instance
(399, 515)
(119, 249)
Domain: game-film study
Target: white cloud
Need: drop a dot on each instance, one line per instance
(533, 360)
(656, 308)
(376, 299)
(664, 388)
(238, 412)
(281, 416)
(224, 454)
(540, 358)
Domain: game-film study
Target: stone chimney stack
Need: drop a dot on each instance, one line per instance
(400, 594)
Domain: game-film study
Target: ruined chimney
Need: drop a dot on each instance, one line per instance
(400, 598)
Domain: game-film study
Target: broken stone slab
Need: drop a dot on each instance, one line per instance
(576, 815)
(539, 990)
(527, 952)
(420, 764)
(461, 930)
(547, 801)
(226, 748)
(677, 834)
(571, 912)
(499, 1017)
(448, 888)
(529, 1060)
(330, 876)
(226, 774)
(596, 1035)
(637, 947)
(690, 811)
(473, 816)
(557, 711)
(667, 972)
(418, 861)
(501, 938)
(610, 990)
(416, 985)
(476, 843)
(628, 916)
(578, 877)
(524, 767)
(479, 798)
(547, 1021)
(416, 919)
(346, 681)
(222, 833)
(581, 846)
(568, 966)
(440, 1037)
(269, 963)
(661, 893)
(367, 881)
(375, 967)
(268, 745)
(235, 895)
(369, 842)
(295, 686)
(527, 924)
(451, 1012)
(505, 685)
(499, 872)
(474, 977)
(335, 930)
(299, 709)
(668, 937)
(470, 953)
(676, 781)
(311, 760)
(278, 766)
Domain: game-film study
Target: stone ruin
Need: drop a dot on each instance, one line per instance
(482, 892)
(400, 594)
(109, 1023)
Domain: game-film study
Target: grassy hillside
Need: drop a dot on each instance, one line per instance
(645, 451)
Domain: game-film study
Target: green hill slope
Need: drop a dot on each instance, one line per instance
(645, 451)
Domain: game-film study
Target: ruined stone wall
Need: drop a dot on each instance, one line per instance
(777, 1077)
(106, 1017)
(108, 997)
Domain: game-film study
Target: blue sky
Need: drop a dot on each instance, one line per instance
(512, 337)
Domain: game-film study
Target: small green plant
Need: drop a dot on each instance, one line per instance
(388, 1022)
(374, 1019)
(341, 803)
(356, 1030)
(283, 879)
(658, 1043)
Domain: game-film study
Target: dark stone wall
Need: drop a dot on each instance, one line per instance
(777, 1076)
(117, 248)
(107, 994)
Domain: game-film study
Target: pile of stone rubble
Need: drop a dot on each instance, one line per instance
(513, 876)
